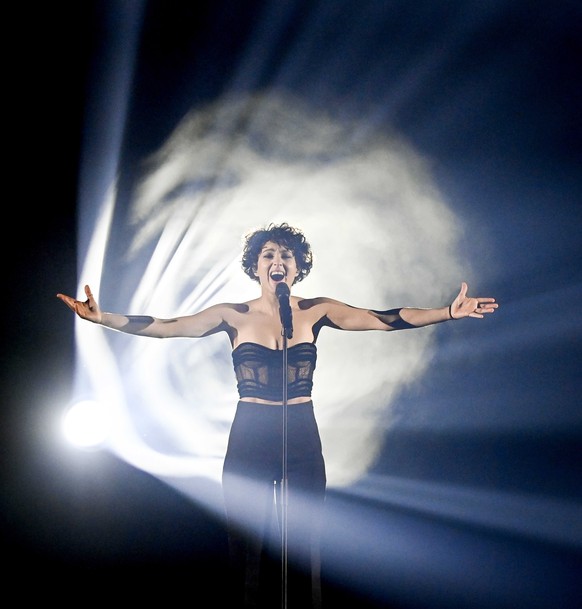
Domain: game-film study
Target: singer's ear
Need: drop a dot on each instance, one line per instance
(255, 271)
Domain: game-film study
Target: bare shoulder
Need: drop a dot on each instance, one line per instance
(232, 308)
(322, 302)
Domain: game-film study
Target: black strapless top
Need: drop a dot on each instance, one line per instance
(259, 371)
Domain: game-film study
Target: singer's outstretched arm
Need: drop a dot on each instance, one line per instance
(345, 317)
(204, 323)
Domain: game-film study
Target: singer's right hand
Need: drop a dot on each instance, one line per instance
(88, 309)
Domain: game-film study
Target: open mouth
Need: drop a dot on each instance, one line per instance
(277, 276)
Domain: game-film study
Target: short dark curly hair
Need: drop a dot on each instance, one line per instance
(281, 234)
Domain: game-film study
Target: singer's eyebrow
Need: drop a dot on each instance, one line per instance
(272, 249)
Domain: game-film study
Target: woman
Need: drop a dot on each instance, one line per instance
(254, 467)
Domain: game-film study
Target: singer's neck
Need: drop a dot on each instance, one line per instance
(269, 301)
(269, 293)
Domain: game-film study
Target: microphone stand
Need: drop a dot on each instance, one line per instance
(287, 332)
(284, 489)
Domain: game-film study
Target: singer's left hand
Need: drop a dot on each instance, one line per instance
(471, 306)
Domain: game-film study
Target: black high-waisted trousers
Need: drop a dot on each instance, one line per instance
(252, 476)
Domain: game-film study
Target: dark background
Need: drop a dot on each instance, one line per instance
(507, 154)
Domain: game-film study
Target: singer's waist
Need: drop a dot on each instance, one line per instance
(297, 391)
(263, 402)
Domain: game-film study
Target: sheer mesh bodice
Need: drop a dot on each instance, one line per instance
(259, 371)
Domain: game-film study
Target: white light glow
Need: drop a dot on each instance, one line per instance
(87, 424)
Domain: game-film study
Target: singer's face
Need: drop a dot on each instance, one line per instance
(276, 263)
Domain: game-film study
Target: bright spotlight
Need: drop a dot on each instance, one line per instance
(86, 424)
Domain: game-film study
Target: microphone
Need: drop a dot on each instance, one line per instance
(282, 291)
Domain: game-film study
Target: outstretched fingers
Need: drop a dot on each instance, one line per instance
(487, 305)
(484, 305)
(69, 301)
(87, 309)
